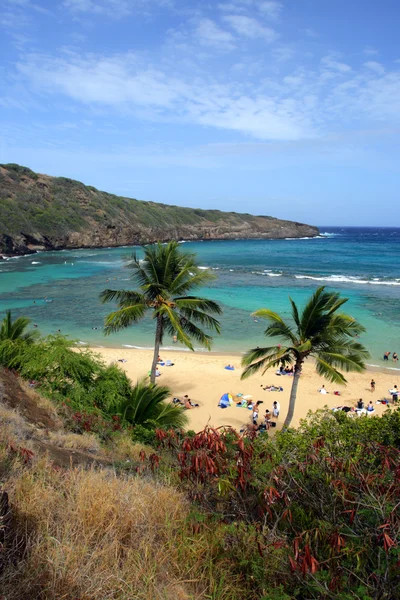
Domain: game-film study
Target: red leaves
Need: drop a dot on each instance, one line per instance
(271, 495)
(154, 461)
(303, 561)
(337, 541)
(24, 453)
(388, 542)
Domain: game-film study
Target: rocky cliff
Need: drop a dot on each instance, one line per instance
(38, 212)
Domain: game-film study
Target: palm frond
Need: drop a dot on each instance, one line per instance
(326, 370)
(258, 359)
(122, 297)
(124, 317)
(196, 303)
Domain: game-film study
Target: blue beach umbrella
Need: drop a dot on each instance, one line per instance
(225, 400)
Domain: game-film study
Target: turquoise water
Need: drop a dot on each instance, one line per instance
(59, 290)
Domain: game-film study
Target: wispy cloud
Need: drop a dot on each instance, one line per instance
(209, 33)
(375, 66)
(299, 105)
(113, 8)
(123, 83)
(271, 8)
(250, 28)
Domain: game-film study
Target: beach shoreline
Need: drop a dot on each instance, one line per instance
(372, 368)
(203, 377)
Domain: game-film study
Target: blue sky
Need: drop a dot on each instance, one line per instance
(285, 108)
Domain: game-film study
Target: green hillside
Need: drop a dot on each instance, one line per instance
(38, 211)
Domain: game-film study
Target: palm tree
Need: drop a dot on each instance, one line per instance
(15, 330)
(146, 405)
(321, 332)
(164, 278)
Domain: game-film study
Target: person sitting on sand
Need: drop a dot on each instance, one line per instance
(159, 359)
(370, 407)
(276, 407)
(187, 403)
(360, 404)
(158, 373)
(322, 390)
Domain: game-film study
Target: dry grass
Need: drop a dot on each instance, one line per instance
(122, 447)
(86, 442)
(94, 536)
(40, 400)
(13, 427)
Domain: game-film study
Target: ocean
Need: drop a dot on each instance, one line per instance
(60, 290)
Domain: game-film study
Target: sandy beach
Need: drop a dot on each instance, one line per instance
(204, 378)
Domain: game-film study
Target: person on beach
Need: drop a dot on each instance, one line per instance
(370, 407)
(372, 385)
(187, 403)
(254, 414)
(386, 356)
(395, 357)
(276, 407)
(322, 390)
(360, 404)
(395, 393)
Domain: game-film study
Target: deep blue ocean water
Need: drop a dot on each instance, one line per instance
(362, 263)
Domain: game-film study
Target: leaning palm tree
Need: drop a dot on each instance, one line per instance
(164, 277)
(147, 405)
(16, 330)
(321, 332)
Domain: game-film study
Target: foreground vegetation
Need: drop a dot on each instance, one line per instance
(89, 391)
(312, 513)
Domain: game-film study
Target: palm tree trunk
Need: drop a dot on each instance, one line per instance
(156, 349)
(293, 393)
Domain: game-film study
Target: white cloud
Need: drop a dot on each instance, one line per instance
(209, 33)
(250, 28)
(374, 66)
(333, 67)
(370, 51)
(112, 8)
(271, 8)
(121, 82)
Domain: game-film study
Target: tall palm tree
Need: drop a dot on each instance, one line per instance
(321, 332)
(146, 405)
(164, 278)
(15, 330)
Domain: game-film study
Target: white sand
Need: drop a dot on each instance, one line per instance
(203, 377)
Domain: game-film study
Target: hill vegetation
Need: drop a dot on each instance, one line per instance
(42, 212)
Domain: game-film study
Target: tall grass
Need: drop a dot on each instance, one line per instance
(95, 536)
